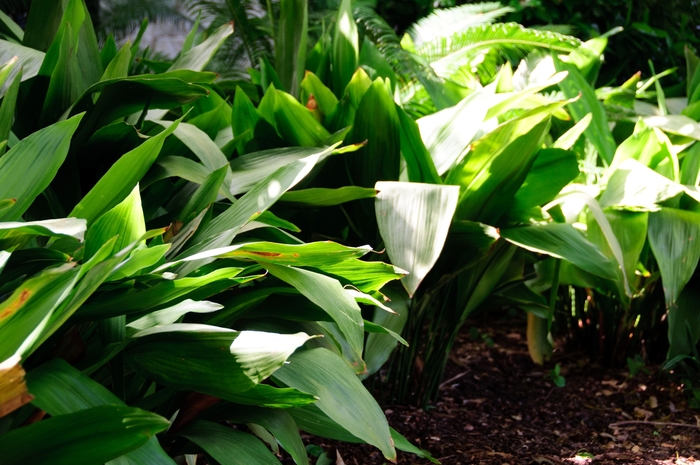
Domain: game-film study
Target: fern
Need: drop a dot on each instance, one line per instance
(122, 17)
(510, 40)
(445, 22)
(404, 63)
(252, 37)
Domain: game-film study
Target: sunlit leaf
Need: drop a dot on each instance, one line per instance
(414, 220)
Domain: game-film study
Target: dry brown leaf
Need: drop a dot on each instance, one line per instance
(13, 390)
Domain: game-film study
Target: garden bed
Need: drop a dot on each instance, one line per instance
(497, 407)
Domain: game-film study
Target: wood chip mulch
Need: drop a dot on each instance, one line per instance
(498, 408)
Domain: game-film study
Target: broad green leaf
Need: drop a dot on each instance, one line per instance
(68, 78)
(552, 170)
(630, 229)
(124, 220)
(109, 50)
(164, 291)
(91, 274)
(346, 48)
(228, 446)
(11, 28)
(244, 119)
(311, 85)
(88, 53)
(181, 167)
(26, 310)
(295, 123)
(675, 124)
(343, 114)
(502, 102)
(7, 69)
(683, 324)
(43, 21)
(380, 346)
(692, 77)
(598, 131)
(365, 276)
(562, 241)
(192, 35)
(312, 420)
(59, 389)
(377, 123)
(204, 196)
(198, 57)
(139, 260)
(588, 58)
(673, 239)
(93, 435)
(170, 315)
(264, 395)
(122, 97)
(62, 227)
(250, 169)
(328, 294)
(376, 64)
(270, 220)
(29, 59)
(414, 220)
(121, 178)
(318, 254)
(404, 445)
(605, 228)
(648, 146)
(496, 168)
(341, 395)
(448, 133)
(321, 197)
(569, 138)
(222, 229)
(118, 67)
(290, 46)
(633, 186)
(208, 359)
(419, 163)
(199, 143)
(277, 422)
(7, 109)
(28, 168)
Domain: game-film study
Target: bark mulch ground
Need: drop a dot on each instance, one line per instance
(497, 407)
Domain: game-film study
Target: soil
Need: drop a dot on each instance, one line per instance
(497, 407)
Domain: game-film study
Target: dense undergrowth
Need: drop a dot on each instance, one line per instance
(196, 263)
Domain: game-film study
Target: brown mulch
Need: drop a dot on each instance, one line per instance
(497, 407)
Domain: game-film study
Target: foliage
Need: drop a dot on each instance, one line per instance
(143, 301)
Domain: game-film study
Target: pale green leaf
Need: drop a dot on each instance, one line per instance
(120, 179)
(93, 435)
(414, 220)
(673, 237)
(208, 359)
(30, 166)
(328, 294)
(562, 241)
(228, 446)
(341, 395)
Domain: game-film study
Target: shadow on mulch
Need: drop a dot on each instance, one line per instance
(497, 407)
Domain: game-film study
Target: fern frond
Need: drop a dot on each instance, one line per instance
(122, 17)
(251, 32)
(511, 40)
(383, 36)
(448, 21)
